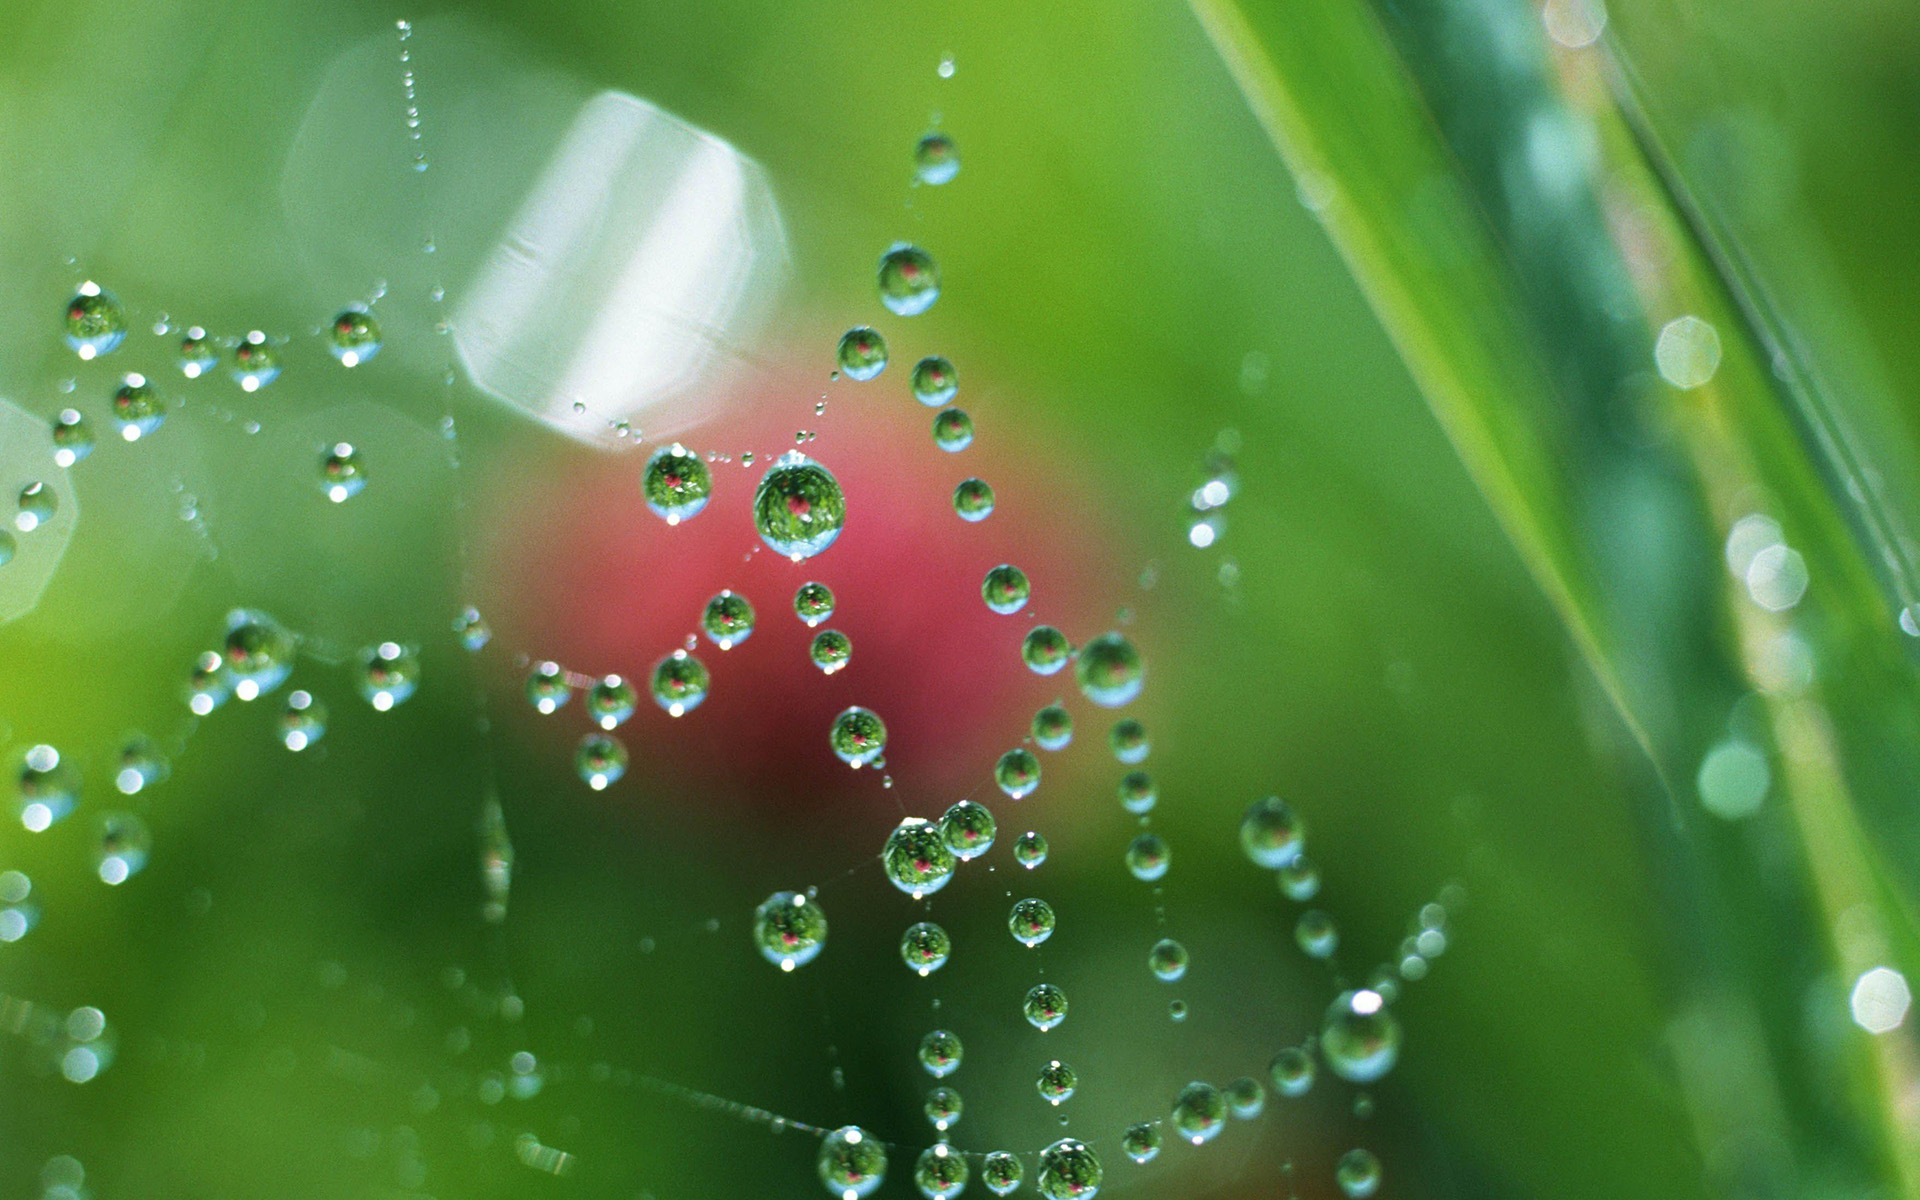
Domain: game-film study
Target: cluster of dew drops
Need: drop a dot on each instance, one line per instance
(799, 511)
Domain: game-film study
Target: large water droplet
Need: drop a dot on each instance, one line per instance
(1070, 1170)
(1359, 1038)
(1246, 1099)
(830, 650)
(943, 1107)
(1030, 850)
(138, 409)
(1005, 589)
(680, 683)
(858, 736)
(851, 1162)
(303, 722)
(37, 504)
(1167, 960)
(1128, 739)
(973, 500)
(1270, 833)
(676, 483)
(934, 381)
(1001, 1172)
(917, 858)
(1292, 1071)
(72, 437)
(1056, 1082)
(547, 687)
(862, 353)
(813, 603)
(255, 362)
(1141, 1142)
(1052, 728)
(790, 928)
(909, 280)
(941, 1171)
(798, 507)
(95, 323)
(1137, 792)
(1031, 921)
(1358, 1173)
(1045, 650)
(925, 947)
(354, 337)
(610, 701)
(1199, 1112)
(935, 160)
(49, 788)
(1017, 773)
(342, 473)
(952, 430)
(600, 760)
(1109, 670)
(728, 619)
(389, 673)
(259, 653)
(1045, 1006)
(968, 829)
(940, 1053)
(1148, 857)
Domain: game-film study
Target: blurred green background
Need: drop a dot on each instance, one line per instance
(301, 993)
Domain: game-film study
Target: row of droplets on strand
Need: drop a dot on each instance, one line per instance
(798, 510)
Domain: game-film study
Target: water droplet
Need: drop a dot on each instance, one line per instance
(728, 619)
(38, 503)
(197, 353)
(813, 603)
(600, 759)
(1358, 1173)
(851, 1162)
(680, 683)
(208, 685)
(1246, 1099)
(1292, 1071)
(140, 766)
(1128, 740)
(95, 324)
(1137, 792)
(1001, 1172)
(1359, 1038)
(945, 69)
(1045, 1006)
(1177, 1010)
(120, 852)
(1070, 1170)
(472, 628)
(610, 701)
(72, 437)
(1299, 879)
(1270, 833)
(676, 483)
(858, 736)
(547, 687)
(917, 858)
(973, 500)
(354, 337)
(259, 653)
(968, 830)
(941, 1171)
(49, 788)
(1017, 773)
(934, 381)
(1005, 589)
(1109, 670)
(935, 160)
(790, 928)
(799, 507)
(1031, 922)
(1316, 934)
(909, 280)
(1167, 960)
(1052, 727)
(1148, 857)
(1141, 1142)
(255, 362)
(138, 409)
(1045, 650)
(925, 947)
(1056, 1082)
(952, 430)
(1030, 850)
(303, 722)
(389, 674)
(940, 1053)
(342, 475)
(1199, 1112)
(862, 353)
